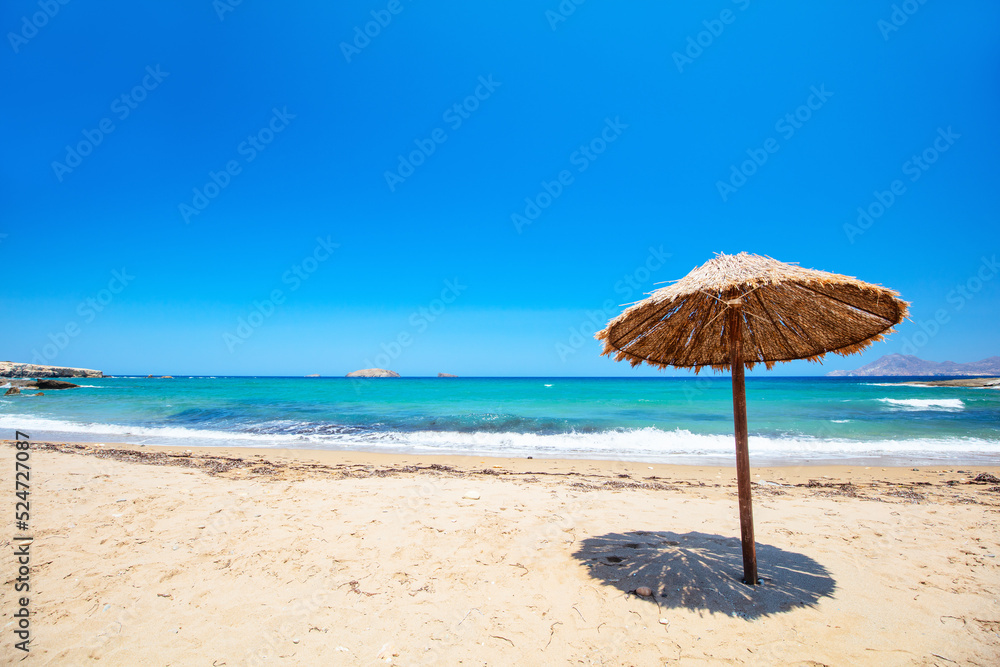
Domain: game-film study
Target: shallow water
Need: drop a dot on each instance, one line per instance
(680, 420)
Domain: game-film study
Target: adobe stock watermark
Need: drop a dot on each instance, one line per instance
(629, 287)
(122, 107)
(363, 35)
(454, 116)
(419, 320)
(914, 168)
(900, 14)
(88, 309)
(291, 626)
(787, 126)
(563, 11)
(584, 156)
(30, 25)
(714, 28)
(223, 7)
(294, 277)
(960, 295)
(248, 150)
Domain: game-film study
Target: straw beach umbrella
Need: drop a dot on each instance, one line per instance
(741, 310)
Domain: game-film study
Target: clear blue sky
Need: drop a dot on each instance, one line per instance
(641, 109)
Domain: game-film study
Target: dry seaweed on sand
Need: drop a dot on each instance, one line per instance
(985, 478)
(213, 465)
(907, 494)
(833, 489)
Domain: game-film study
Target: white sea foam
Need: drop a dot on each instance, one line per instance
(947, 404)
(641, 444)
(137, 434)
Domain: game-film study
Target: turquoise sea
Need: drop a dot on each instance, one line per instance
(679, 420)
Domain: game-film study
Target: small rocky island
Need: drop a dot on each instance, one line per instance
(446, 375)
(373, 373)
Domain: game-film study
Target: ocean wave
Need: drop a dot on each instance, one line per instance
(640, 444)
(947, 404)
(650, 441)
(88, 431)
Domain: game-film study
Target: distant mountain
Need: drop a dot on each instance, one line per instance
(907, 364)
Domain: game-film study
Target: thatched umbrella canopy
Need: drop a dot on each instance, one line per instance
(741, 310)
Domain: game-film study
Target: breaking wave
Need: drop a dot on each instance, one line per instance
(637, 444)
(948, 404)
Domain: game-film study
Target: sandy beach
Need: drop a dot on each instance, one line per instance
(146, 555)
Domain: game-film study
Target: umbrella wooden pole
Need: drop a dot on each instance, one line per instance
(742, 449)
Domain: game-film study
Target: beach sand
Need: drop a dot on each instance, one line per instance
(254, 557)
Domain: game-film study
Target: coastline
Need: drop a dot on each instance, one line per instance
(795, 421)
(295, 459)
(241, 556)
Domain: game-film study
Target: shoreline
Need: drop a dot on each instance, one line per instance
(229, 457)
(794, 423)
(762, 460)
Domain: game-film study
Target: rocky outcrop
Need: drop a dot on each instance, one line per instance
(313, 375)
(907, 364)
(17, 385)
(12, 370)
(373, 373)
(446, 375)
(54, 384)
(965, 382)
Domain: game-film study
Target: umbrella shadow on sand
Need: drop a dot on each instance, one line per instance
(703, 572)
